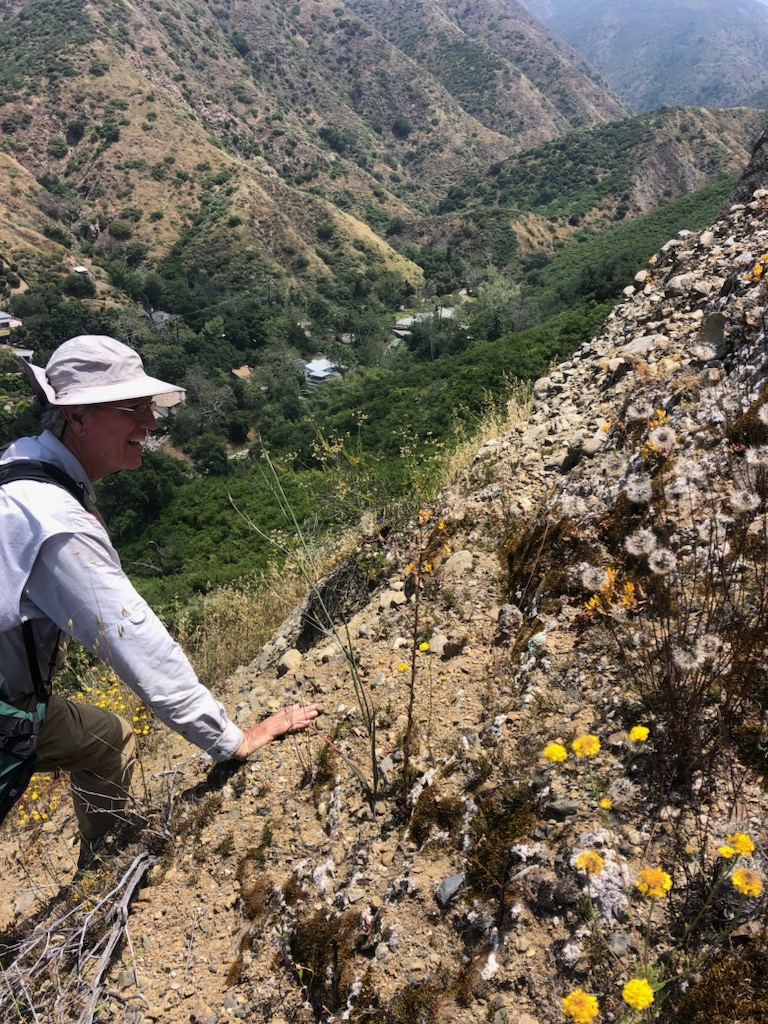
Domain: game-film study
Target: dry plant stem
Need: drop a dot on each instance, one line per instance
(349, 763)
(308, 571)
(408, 739)
(62, 952)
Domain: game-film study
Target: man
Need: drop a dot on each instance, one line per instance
(62, 576)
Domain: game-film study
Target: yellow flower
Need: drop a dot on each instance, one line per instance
(590, 863)
(403, 666)
(638, 993)
(638, 733)
(606, 803)
(581, 1006)
(424, 646)
(653, 882)
(749, 883)
(627, 597)
(555, 752)
(441, 525)
(585, 746)
(726, 851)
(741, 843)
(427, 567)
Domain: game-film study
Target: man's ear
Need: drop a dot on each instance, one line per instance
(76, 419)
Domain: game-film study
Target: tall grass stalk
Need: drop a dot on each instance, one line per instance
(302, 557)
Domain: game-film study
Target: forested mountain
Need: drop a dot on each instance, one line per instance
(224, 145)
(698, 52)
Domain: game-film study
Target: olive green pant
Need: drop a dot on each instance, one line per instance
(98, 749)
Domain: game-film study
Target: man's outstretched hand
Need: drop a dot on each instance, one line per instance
(282, 723)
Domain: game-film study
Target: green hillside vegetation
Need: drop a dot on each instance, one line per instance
(597, 267)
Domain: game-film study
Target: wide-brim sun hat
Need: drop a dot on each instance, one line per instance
(93, 369)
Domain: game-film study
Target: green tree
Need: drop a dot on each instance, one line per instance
(209, 455)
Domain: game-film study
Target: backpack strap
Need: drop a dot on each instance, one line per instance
(33, 469)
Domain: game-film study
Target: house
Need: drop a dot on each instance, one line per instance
(157, 319)
(241, 372)
(318, 371)
(405, 323)
(22, 353)
(8, 323)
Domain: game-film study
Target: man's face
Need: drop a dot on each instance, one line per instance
(112, 436)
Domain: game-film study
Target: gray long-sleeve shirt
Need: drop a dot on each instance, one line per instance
(59, 570)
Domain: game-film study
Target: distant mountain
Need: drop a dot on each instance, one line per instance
(669, 52)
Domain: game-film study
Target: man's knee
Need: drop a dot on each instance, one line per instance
(78, 737)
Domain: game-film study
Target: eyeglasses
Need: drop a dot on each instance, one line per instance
(137, 410)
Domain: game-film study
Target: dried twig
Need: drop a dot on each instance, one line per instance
(60, 965)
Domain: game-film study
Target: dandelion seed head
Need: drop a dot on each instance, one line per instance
(757, 456)
(709, 646)
(614, 466)
(638, 490)
(762, 414)
(641, 542)
(744, 500)
(686, 660)
(593, 578)
(639, 411)
(623, 793)
(703, 352)
(662, 437)
(662, 561)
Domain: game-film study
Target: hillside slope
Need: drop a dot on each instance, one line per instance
(255, 141)
(598, 567)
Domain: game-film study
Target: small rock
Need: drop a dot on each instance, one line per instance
(448, 889)
(289, 662)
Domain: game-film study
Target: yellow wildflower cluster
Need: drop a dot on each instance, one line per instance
(613, 595)
(747, 882)
(110, 694)
(590, 863)
(580, 1006)
(651, 447)
(637, 993)
(653, 882)
(41, 799)
(737, 845)
(758, 269)
(586, 746)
